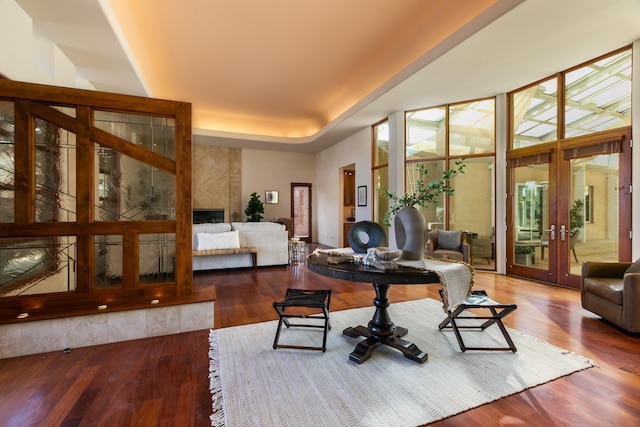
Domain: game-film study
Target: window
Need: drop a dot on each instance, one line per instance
(439, 136)
(380, 170)
(596, 97)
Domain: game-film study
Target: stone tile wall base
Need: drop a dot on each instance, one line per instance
(20, 339)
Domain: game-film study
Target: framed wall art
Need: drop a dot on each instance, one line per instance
(271, 197)
(362, 195)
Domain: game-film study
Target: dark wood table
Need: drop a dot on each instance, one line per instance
(380, 330)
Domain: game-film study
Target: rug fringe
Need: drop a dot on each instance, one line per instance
(215, 382)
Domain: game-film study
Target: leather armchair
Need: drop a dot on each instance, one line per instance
(610, 293)
(434, 250)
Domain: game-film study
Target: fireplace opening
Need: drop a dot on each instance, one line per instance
(201, 216)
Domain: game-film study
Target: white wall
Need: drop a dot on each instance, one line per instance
(31, 60)
(327, 196)
(275, 170)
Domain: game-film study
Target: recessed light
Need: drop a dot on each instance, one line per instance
(155, 301)
(102, 307)
(23, 315)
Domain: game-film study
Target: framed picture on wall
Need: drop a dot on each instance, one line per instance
(271, 197)
(362, 195)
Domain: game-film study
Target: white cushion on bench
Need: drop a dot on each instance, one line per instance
(257, 226)
(225, 240)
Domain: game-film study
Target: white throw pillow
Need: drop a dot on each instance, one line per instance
(226, 240)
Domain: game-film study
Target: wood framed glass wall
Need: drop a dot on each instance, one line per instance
(439, 136)
(380, 170)
(91, 189)
(569, 148)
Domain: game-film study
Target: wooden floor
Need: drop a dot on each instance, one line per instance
(163, 381)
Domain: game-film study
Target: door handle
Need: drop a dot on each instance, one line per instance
(563, 230)
(552, 232)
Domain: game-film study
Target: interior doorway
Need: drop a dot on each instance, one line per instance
(348, 206)
(301, 211)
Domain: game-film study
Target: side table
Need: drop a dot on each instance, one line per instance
(297, 251)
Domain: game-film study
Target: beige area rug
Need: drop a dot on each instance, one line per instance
(254, 385)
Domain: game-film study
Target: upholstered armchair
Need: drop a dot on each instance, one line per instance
(448, 244)
(612, 293)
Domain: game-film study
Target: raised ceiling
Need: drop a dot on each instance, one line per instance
(281, 68)
(287, 74)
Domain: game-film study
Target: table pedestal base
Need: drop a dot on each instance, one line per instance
(366, 347)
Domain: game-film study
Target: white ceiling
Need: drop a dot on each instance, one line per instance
(301, 76)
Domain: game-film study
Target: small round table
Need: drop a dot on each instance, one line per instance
(297, 251)
(380, 329)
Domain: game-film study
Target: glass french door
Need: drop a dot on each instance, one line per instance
(531, 235)
(568, 203)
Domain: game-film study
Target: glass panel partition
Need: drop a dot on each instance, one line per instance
(129, 190)
(7, 162)
(156, 134)
(37, 266)
(108, 262)
(156, 257)
(55, 173)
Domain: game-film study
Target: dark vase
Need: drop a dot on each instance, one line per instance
(410, 227)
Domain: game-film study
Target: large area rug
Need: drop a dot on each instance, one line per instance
(254, 385)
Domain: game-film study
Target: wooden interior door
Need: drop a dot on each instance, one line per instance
(301, 211)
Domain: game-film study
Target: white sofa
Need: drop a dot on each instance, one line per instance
(269, 238)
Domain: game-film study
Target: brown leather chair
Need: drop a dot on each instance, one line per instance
(435, 249)
(611, 294)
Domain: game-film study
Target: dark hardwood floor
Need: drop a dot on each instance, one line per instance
(163, 381)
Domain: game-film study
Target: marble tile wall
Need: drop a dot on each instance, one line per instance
(20, 339)
(217, 180)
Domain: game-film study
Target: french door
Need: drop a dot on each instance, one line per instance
(569, 202)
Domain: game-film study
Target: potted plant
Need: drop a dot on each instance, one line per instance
(524, 255)
(254, 209)
(576, 216)
(409, 221)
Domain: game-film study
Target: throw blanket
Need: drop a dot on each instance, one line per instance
(457, 278)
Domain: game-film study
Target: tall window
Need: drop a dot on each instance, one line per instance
(380, 170)
(439, 136)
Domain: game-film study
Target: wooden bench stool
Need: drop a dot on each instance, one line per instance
(304, 304)
(479, 300)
